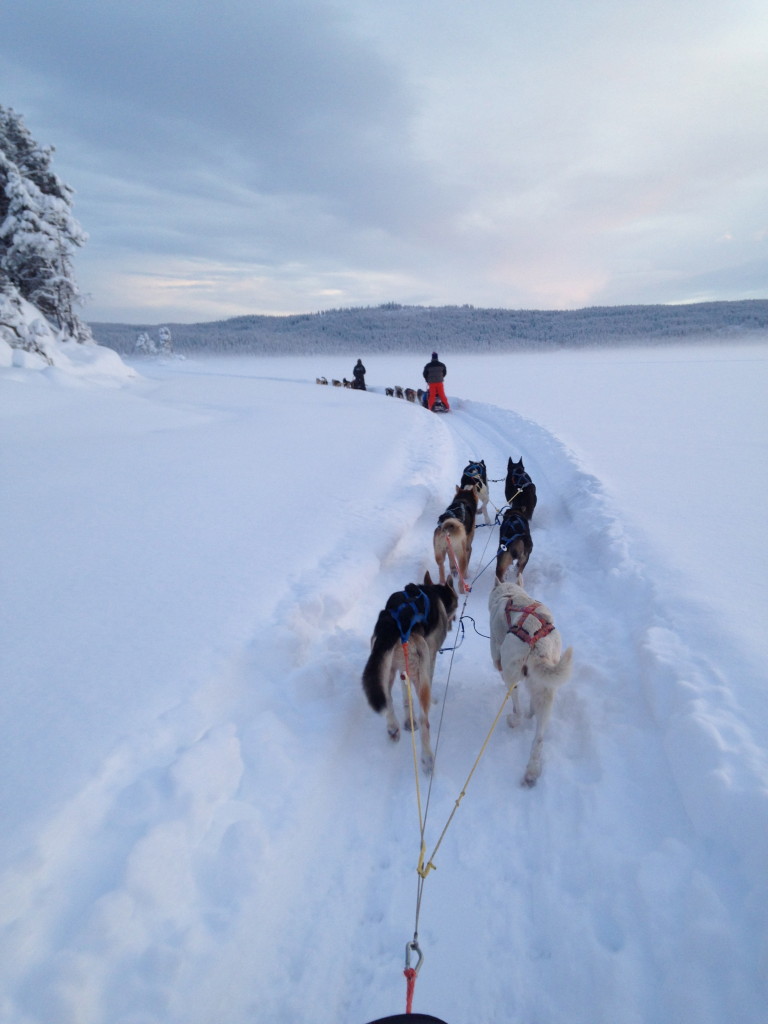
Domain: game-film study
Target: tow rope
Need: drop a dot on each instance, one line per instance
(427, 864)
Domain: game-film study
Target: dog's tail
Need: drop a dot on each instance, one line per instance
(556, 672)
(451, 526)
(385, 639)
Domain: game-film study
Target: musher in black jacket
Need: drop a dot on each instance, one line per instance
(434, 374)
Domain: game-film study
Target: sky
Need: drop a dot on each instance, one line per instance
(247, 157)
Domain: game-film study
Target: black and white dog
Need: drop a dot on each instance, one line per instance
(477, 471)
(418, 616)
(526, 645)
(515, 544)
(519, 489)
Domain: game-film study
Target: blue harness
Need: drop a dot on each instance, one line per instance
(520, 479)
(474, 469)
(413, 610)
(458, 510)
(513, 527)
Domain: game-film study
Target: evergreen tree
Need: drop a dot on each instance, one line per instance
(166, 341)
(38, 233)
(145, 345)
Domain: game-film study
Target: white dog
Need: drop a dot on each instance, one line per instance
(525, 644)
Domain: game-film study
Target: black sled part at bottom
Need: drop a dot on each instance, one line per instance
(408, 1018)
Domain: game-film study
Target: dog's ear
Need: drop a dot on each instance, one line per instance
(457, 488)
(427, 579)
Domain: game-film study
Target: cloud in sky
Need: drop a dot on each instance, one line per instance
(294, 155)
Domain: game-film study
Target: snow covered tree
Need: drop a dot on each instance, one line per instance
(145, 345)
(38, 233)
(166, 342)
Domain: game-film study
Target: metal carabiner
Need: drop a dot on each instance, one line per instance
(413, 946)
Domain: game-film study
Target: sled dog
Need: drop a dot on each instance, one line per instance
(477, 471)
(526, 644)
(519, 489)
(455, 530)
(420, 615)
(515, 544)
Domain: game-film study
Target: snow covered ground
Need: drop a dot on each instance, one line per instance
(204, 822)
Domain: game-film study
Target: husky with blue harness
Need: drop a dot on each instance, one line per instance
(515, 544)
(409, 632)
(519, 489)
(477, 471)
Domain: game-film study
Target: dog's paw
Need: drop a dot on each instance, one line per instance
(394, 734)
(428, 763)
(513, 720)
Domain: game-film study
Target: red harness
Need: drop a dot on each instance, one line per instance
(518, 628)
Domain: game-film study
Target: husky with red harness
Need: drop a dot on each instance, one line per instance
(525, 644)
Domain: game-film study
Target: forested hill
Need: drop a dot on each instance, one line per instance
(395, 328)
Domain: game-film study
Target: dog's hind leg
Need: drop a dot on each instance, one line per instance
(393, 726)
(420, 666)
(425, 699)
(485, 498)
(542, 700)
(523, 554)
(441, 550)
(513, 718)
(408, 716)
(503, 562)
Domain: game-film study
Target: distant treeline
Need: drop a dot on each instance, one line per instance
(395, 328)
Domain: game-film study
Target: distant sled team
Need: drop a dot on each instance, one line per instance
(434, 398)
(525, 644)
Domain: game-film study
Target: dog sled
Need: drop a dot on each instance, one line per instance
(437, 406)
(408, 1018)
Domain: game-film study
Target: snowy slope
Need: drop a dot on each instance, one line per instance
(205, 821)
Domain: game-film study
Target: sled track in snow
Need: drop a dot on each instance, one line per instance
(239, 866)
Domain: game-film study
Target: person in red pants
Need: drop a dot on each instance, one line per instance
(434, 374)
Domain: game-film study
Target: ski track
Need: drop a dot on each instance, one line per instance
(184, 811)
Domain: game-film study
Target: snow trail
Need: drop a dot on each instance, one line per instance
(251, 853)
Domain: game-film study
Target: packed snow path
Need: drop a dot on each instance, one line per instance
(244, 847)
